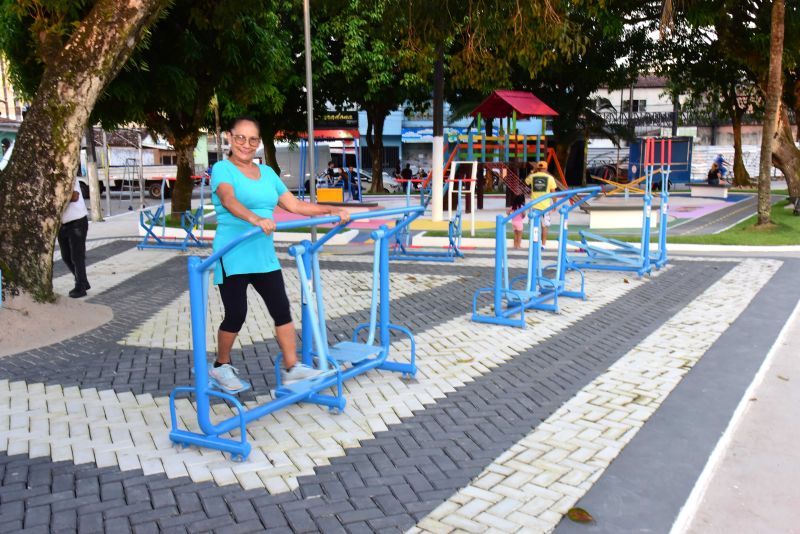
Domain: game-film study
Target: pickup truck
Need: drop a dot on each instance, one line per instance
(153, 177)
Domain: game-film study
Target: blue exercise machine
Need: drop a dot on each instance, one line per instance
(190, 220)
(401, 248)
(338, 362)
(604, 253)
(538, 291)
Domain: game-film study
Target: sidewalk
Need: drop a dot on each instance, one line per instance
(503, 429)
(750, 484)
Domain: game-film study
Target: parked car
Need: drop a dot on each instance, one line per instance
(389, 183)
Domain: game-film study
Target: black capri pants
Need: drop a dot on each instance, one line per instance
(269, 286)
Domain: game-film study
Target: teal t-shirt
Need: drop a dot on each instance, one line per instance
(256, 254)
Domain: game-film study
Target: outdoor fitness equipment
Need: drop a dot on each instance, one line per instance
(539, 292)
(339, 362)
(190, 220)
(616, 255)
(403, 240)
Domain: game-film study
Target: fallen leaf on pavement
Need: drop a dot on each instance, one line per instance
(579, 515)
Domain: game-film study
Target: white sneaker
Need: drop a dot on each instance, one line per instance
(225, 375)
(300, 372)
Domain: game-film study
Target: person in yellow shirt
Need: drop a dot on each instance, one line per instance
(542, 182)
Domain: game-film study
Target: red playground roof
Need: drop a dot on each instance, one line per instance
(502, 103)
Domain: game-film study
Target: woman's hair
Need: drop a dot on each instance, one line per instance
(242, 118)
(518, 202)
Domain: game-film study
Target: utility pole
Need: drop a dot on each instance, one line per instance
(91, 175)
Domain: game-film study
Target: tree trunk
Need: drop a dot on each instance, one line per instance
(741, 177)
(182, 190)
(786, 155)
(268, 136)
(37, 184)
(774, 93)
(562, 153)
(376, 116)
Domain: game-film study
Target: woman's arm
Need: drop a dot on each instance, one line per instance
(237, 209)
(288, 202)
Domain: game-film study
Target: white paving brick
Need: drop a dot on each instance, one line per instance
(606, 420)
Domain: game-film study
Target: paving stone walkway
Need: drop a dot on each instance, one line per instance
(502, 429)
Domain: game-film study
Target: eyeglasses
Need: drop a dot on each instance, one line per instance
(242, 139)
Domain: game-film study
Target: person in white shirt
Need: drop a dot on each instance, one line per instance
(72, 241)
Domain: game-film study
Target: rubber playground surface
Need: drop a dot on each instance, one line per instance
(501, 430)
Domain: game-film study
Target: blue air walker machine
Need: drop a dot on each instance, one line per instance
(338, 362)
(605, 253)
(533, 290)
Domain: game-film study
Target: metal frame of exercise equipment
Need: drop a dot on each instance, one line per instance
(339, 362)
(403, 240)
(148, 219)
(540, 292)
(616, 255)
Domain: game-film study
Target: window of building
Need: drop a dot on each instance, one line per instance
(167, 159)
(391, 155)
(639, 106)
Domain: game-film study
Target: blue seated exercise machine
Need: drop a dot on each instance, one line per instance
(605, 253)
(190, 221)
(538, 291)
(338, 362)
(401, 248)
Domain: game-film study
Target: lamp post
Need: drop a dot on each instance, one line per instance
(310, 108)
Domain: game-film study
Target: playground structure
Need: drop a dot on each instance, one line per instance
(401, 247)
(330, 191)
(539, 291)
(609, 254)
(500, 154)
(339, 362)
(190, 221)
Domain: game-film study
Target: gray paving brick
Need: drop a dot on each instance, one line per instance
(90, 522)
(300, 521)
(242, 511)
(181, 519)
(64, 521)
(391, 523)
(117, 524)
(150, 527)
(13, 525)
(36, 516)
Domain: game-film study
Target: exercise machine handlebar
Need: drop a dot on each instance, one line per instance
(561, 196)
(302, 223)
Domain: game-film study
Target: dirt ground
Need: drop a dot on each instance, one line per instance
(26, 325)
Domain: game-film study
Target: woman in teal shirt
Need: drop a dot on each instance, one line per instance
(244, 195)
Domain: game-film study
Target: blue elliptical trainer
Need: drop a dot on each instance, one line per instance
(339, 362)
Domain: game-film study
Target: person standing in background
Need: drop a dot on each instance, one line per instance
(541, 183)
(72, 240)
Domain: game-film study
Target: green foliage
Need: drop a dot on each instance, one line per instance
(616, 53)
(200, 48)
(32, 32)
